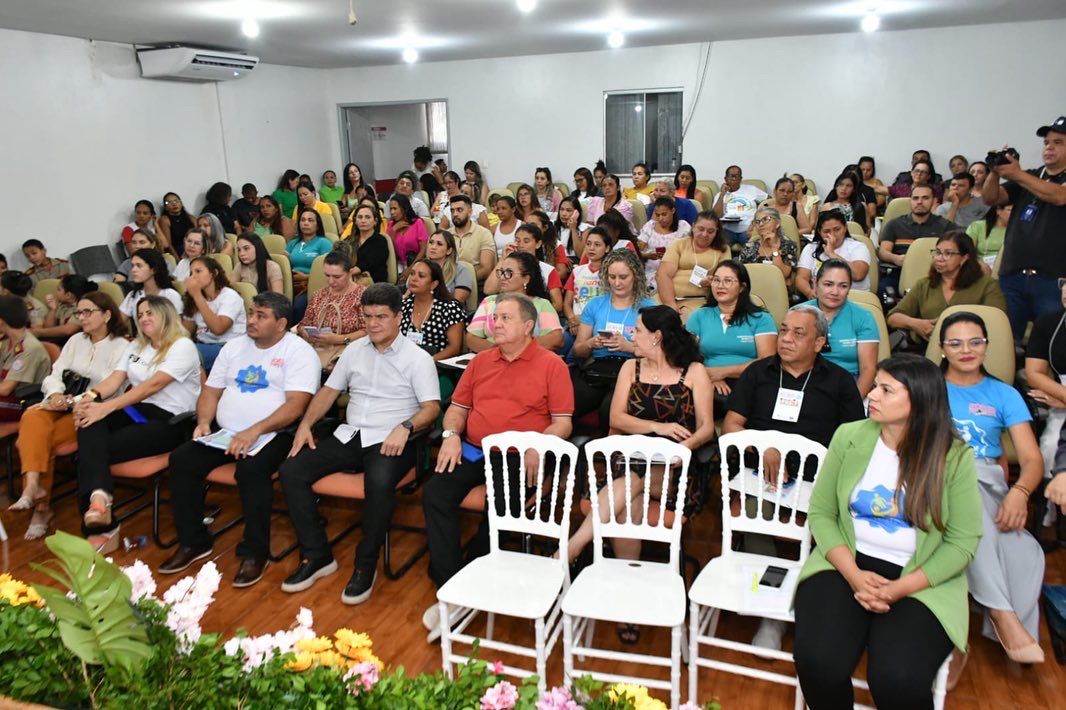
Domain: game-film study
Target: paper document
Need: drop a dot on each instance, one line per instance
(222, 438)
(789, 495)
(459, 361)
(761, 599)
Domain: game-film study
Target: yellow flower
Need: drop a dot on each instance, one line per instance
(315, 645)
(331, 658)
(18, 593)
(638, 694)
(350, 643)
(302, 662)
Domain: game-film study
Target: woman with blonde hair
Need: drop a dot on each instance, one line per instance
(458, 275)
(162, 369)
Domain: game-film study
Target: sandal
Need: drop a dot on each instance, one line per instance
(99, 513)
(39, 524)
(628, 634)
(105, 543)
(29, 498)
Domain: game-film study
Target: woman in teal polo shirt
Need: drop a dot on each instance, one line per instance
(733, 331)
(853, 335)
(896, 518)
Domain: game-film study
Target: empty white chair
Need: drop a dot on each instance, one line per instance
(631, 591)
(730, 582)
(527, 586)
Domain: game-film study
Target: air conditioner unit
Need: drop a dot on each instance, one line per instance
(194, 64)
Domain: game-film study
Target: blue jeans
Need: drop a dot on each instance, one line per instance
(735, 237)
(208, 353)
(1028, 297)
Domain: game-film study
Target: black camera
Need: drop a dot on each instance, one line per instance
(996, 158)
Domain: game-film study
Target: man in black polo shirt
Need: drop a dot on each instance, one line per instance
(898, 235)
(830, 398)
(1034, 248)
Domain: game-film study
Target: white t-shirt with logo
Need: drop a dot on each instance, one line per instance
(881, 527)
(255, 380)
(128, 307)
(742, 204)
(850, 250)
(586, 286)
(227, 303)
(182, 362)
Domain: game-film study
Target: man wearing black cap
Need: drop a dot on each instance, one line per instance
(1034, 250)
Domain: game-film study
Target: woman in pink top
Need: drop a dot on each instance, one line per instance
(612, 199)
(408, 232)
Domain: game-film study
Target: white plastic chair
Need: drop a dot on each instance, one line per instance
(940, 687)
(721, 584)
(631, 591)
(527, 586)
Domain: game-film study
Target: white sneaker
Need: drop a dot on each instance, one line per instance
(431, 620)
(769, 634)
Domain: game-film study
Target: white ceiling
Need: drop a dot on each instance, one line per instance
(315, 33)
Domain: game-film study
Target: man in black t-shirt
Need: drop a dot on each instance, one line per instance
(1034, 248)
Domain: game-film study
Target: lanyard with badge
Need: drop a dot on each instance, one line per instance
(415, 335)
(1030, 211)
(789, 402)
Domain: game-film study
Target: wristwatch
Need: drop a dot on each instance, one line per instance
(347, 340)
(448, 433)
(408, 425)
(776, 254)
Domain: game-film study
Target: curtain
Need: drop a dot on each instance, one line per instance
(437, 126)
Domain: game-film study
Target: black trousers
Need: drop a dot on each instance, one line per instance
(117, 438)
(189, 466)
(441, 497)
(381, 475)
(592, 395)
(905, 646)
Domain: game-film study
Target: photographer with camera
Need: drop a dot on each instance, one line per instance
(1034, 248)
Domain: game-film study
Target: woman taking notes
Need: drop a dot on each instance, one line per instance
(896, 517)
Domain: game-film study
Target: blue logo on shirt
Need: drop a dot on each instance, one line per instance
(252, 379)
(880, 509)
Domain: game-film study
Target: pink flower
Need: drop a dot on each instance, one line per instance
(367, 673)
(558, 699)
(497, 668)
(501, 696)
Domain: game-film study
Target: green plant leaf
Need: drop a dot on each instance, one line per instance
(99, 626)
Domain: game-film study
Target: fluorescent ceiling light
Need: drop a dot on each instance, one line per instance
(242, 9)
(616, 39)
(527, 5)
(250, 28)
(410, 55)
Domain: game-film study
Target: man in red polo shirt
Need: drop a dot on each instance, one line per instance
(517, 385)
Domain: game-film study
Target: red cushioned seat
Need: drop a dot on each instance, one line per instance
(140, 468)
(351, 485)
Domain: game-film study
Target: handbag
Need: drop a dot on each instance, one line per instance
(603, 371)
(73, 383)
(329, 354)
(12, 406)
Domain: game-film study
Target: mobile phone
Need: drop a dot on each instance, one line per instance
(773, 576)
(605, 333)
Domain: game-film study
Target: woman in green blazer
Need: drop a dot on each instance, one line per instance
(896, 517)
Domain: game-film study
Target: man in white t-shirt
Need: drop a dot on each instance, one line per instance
(260, 384)
(393, 393)
(736, 205)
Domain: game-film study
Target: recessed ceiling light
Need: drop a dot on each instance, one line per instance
(250, 28)
(526, 5)
(871, 22)
(616, 39)
(638, 108)
(410, 55)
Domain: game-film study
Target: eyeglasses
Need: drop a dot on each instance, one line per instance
(723, 282)
(504, 274)
(920, 172)
(974, 343)
(936, 253)
(86, 312)
(763, 220)
(171, 202)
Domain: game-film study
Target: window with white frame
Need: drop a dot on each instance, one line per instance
(642, 126)
(437, 126)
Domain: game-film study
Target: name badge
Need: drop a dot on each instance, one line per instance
(616, 328)
(787, 408)
(1029, 213)
(415, 336)
(699, 273)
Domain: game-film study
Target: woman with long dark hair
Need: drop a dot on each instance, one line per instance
(174, 221)
(367, 247)
(218, 198)
(612, 198)
(271, 220)
(255, 266)
(547, 194)
(732, 330)
(430, 317)
(212, 312)
(1008, 568)
(585, 185)
(408, 232)
(472, 173)
(658, 233)
(896, 518)
(955, 279)
(685, 184)
(988, 233)
(683, 276)
(571, 227)
(149, 276)
(517, 272)
(845, 199)
(285, 194)
(525, 198)
(832, 241)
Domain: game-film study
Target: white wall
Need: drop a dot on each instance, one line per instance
(884, 94)
(84, 137)
(405, 129)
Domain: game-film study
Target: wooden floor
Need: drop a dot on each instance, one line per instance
(393, 614)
